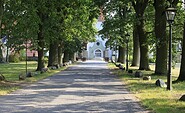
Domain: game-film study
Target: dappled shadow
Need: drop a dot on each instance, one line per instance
(80, 88)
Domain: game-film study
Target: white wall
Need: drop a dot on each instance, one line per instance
(98, 25)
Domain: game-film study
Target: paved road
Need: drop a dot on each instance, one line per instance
(85, 88)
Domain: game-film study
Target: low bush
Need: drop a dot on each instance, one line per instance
(151, 60)
(14, 58)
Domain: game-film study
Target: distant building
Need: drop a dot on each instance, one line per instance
(97, 49)
(5, 52)
(31, 54)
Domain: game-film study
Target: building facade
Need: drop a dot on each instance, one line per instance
(98, 50)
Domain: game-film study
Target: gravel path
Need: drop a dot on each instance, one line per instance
(85, 88)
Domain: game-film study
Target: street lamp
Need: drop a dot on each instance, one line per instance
(127, 41)
(26, 56)
(170, 15)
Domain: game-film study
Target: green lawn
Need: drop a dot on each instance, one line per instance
(155, 98)
(11, 72)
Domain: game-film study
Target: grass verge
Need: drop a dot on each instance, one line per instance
(155, 98)
(11, 72)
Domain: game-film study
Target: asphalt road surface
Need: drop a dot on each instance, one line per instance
(88, 87)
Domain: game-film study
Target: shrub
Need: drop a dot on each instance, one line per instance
(45, 60)
(14, 58)
(151, 60)
(22, 56)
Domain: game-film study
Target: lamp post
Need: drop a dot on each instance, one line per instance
(170, 15)
(26, 56)
(127, 41)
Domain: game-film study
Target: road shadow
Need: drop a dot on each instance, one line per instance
(84, 88)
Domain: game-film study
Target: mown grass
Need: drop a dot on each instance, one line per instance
(155, 98)
(11, 72)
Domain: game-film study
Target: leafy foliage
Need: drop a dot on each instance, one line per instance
(118, 21)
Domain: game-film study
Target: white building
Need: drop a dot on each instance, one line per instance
(97, 49)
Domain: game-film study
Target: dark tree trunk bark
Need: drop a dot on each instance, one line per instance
(53, 55)
(144, 62)
(60, 52)
(66, 56)
(140, 7)
(161, 38)
(121, 54)
(71, 56)
(1, 14)
(40, 64)
(136, 48)
(182, 68)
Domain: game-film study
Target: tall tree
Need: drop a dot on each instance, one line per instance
(60, 54)
(136, 47)
(122, 11)
(1, 17)
(1, 14)
(22, 16)
(181, 76)
(53, 55)
(30, 15)
(56, 23)
(122, 54)
(140, 6)
(71, 27)
(161, 38)
(182, 67)
(40, 39)
(116, 25)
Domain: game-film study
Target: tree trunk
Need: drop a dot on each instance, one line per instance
(71, 56)
(140, 6)
(144, 62)
(60, 59)
(40, 64)
(66, 56)
(161, 38)
(121, 54)
(136, 48)
(53, 55)
(75, 57)
(182, 68)
(1, 15)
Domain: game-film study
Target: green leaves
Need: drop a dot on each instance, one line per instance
(61, 20)
(118, 21)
